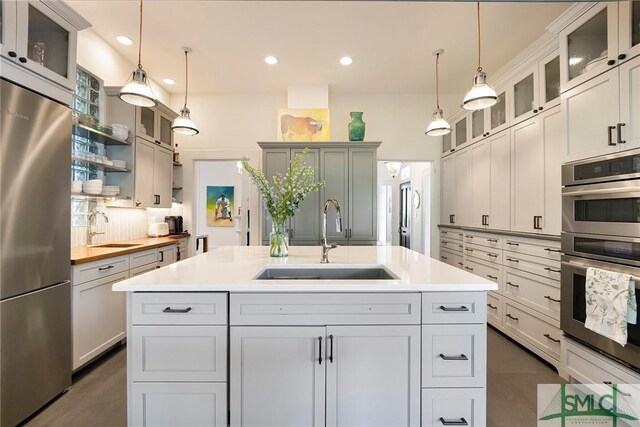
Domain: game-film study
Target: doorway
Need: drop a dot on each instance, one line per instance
(405, 215)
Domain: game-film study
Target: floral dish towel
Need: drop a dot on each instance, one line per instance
(611, 303)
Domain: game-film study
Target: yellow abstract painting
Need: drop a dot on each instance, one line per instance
(304, 125)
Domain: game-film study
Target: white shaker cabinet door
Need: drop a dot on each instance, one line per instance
(448, 186)
(527, 159)
(277, 377)
(162, 176)
(480, 183)
(463, 187)
(373, 376)
(551, 133)
(500, 181)
(143, 174)
(629, 128)
(590, 113)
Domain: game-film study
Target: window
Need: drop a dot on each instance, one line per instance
(87, 96)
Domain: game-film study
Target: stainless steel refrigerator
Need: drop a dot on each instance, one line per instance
(35, 290)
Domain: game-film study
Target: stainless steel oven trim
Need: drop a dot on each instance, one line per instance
(566, 243)
(568, 168)
(629, 354)
(609, 190)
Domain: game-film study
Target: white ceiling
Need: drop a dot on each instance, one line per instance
(391, 43)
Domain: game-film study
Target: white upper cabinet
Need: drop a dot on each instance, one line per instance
(524, 94)
(478, 123)
(549, 81)
(629, 34)
(462, 131)
(589, 45)
(8, 18)
(628, 128)
(447, 144)
(498, 114)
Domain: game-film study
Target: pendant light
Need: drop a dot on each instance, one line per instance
(393, 168)
(137, 90)
(438, 126)
(183, 123)
(481, 95)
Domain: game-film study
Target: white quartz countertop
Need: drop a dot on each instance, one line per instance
(233, 268)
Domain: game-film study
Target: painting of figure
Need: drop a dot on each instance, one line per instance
(220, 206)
(304, 125)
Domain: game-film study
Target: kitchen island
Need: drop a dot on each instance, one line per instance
(382, 336)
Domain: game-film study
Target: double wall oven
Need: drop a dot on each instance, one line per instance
(600, 228)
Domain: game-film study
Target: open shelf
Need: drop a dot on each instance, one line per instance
(108, 168)
(97, 136)
(177, 164)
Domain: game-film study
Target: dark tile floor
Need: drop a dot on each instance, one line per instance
(98, 395)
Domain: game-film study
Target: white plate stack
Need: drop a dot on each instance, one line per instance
(110, 190)
(119, 163)
(120, 131)
(93, 186)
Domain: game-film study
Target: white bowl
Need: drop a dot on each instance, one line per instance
(94, 181)
(76, 186)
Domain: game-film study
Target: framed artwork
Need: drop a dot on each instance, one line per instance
(304, 125)
(220, 204)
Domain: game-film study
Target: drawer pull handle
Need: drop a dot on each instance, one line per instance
(461, 308)
(461, 357)
(492, 277)
(513, 284)
(551, 299)
(443, 243)
(492, 240)
(176, 310)
(552, 250)
(493, 255)
(468, 249)
(460, 234)
(513, 260)
(460, 422)
(106, 268)
(468, 268)
(444, 257)
(512, 317)
(331, 348)
(553, 270)
(460, 263)
(549, 337)
(513, 244)
(320, 351)
(617, 387)
(493, 307)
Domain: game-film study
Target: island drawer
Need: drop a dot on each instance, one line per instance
(179, 308)
(454, 355)
(138, 259)
(179, 353)
(494, 308)
(324, 309)
(454, 307)
(460, 406)
(541, 248)
(538, 329)
(83, 273)
(539, 293)
(488, 240)
(178, 404)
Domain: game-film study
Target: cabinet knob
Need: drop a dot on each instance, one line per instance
(12, 54)
(611, 62)
(540, 108)
(622, 56)
(535, 111)
(22, 59)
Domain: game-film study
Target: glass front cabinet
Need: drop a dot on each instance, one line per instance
(497, 115)
(629, 31)
(8, 23)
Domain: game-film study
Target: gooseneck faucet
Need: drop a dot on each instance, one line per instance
(90, 220)
(326, 246)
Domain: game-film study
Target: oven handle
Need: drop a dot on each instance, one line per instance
(580, 191)
(576, 264)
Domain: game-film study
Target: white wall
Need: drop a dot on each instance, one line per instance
(218, 173)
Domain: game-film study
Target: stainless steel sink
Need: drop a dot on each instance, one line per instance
(117, 245)
(376, 272)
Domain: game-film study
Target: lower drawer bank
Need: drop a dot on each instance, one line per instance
(293, 359)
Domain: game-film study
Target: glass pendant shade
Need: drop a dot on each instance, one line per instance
(481, 95)
(393, 168)
(438, 126)
(137, 90)
(183, 123)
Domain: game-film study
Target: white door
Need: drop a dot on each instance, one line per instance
(551, 134)
(629, 127)
(373, 376)
(527, 160)
(143, 171)
(480, 184)
(167, 255)
(8, 30)
(448, 186)
(98, 317)
(163, 176)
(500, 181)
(590, 114)
(462, 190)
(277, 376)
(168, 404)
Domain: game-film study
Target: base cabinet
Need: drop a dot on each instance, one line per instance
(178, 404)
(454, 406)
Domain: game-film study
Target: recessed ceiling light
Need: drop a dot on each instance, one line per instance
(169, 81)
(124, 40)
(345, 60)
(271, 60)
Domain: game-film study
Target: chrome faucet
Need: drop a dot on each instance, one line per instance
(91, 219)
(326, 246)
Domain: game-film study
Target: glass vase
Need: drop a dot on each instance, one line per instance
(356, 127)
(278, 240)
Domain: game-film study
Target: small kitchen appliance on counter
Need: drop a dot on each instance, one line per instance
(158, 229)
(176, 224)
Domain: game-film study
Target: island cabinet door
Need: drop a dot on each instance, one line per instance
(277, 376)
(373, 376)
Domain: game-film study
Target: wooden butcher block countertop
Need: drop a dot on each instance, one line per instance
(82, 254)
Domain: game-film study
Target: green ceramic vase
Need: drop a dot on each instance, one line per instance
(356, 127)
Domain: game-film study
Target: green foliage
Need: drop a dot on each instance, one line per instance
(283, 195)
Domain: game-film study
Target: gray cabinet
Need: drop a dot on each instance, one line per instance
(350, 173)
(153, 175)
